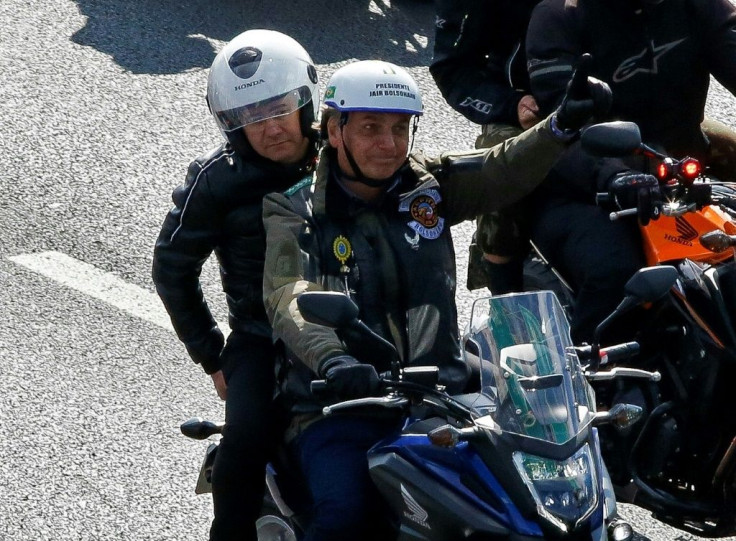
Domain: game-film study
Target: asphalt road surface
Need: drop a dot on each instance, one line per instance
(101, 109)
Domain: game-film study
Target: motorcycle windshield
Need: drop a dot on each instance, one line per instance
(531, 380)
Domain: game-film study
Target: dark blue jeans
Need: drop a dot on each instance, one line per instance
(332, 456)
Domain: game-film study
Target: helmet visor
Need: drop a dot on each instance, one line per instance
(282, 105)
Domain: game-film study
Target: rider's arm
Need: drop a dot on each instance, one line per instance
(188, 236)
(484, 181)
(290, 270)
(466, 69)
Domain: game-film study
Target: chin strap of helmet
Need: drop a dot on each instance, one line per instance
(359, 176)
(415, 125)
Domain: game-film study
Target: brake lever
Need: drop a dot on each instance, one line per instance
(622, 372)
(388, 402)
(613, 216)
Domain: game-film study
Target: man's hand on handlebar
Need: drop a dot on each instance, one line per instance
(349, 378)
(636, 191)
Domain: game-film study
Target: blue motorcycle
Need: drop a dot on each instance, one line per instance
(516, 458)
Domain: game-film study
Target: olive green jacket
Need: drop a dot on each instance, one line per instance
(321, 238)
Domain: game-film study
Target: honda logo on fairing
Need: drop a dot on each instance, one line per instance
(416, 513)
(687, 232)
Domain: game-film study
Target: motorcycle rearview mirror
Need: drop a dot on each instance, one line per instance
(198, 429)
(537, 383)
(650, 283)
(717, 241)
(338, 311)
(328, 308)
(646, 285)
(613, 139)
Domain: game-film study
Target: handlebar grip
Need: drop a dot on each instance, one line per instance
(318, 386)
(610, 354)
(619, 352)
(583, 352)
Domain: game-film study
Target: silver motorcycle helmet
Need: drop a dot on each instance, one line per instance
(261, 74)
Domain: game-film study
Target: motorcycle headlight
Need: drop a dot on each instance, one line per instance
(565, 491)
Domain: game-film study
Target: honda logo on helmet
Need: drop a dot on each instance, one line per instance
(249, 84)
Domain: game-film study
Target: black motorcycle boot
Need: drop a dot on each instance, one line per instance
(499, 278)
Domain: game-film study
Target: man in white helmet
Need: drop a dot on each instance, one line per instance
(261, 91)
(374, 223)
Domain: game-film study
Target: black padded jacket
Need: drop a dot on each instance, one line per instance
(479, 61)
(218, 209)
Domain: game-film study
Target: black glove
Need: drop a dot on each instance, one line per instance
(586, 97)
(349, 378)
(636, 190)
(624, 188)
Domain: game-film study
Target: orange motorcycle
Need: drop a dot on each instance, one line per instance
(679, 461)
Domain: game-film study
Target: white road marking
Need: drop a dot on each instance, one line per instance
(104, 286)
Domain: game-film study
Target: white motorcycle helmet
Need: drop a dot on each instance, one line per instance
(373, 85)
(261, 74)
